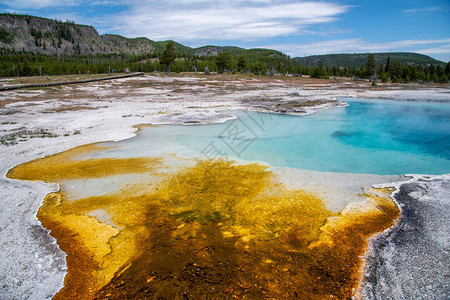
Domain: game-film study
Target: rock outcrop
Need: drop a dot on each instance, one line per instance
(40, 35)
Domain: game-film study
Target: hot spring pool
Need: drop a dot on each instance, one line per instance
(141, 217)
(368, 136)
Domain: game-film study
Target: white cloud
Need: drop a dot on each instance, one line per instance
(105, 2)
(193, 21)
(222, 20)
(422, 10)
(438, 50)
(357, 45)
(37, 4)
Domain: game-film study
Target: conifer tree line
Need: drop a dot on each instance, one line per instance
(13, 63)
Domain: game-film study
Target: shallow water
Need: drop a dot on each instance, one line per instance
(369, 136)
(212, 230)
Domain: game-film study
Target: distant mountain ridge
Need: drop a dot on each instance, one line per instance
(358, 59)
(47, 36)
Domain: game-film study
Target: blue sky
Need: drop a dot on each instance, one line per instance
(298, 28)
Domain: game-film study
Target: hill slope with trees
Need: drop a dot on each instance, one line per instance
(36, 46)
(358, 59)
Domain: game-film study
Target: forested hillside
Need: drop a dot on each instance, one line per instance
(358, 59)
(37, 46)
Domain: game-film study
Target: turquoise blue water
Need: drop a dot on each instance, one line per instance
(369, 136)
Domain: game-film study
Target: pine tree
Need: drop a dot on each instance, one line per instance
(443, 79)
(242, 63)
(168, 56)
(387, 68)
(319, 71)
(26, 69)
(370, 66)
(223, 61)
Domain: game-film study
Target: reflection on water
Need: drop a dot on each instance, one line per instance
(340, 133)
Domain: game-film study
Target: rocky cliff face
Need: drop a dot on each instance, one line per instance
(46, 36)
(208, 51)
(39, 35)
